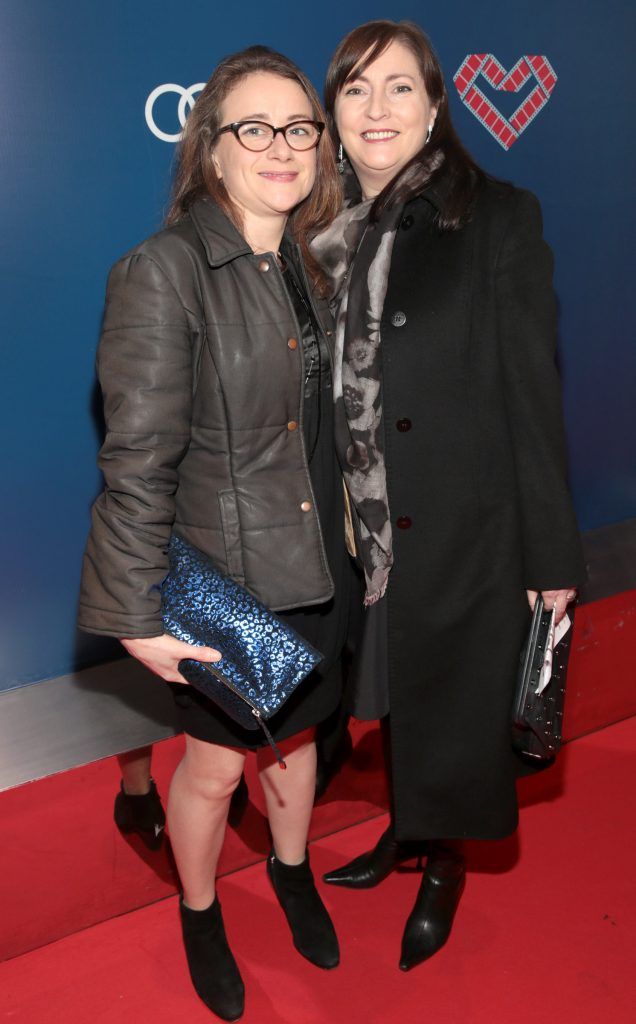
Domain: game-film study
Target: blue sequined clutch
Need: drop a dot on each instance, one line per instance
(264, 659)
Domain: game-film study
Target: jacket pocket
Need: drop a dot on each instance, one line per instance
(231, 534)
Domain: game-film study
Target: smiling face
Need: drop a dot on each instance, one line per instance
(265, 186)
(383, 117)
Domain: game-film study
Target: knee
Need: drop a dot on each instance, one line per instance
(219, 786)
(211, 781)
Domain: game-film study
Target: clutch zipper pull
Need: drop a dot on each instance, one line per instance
(270, 739)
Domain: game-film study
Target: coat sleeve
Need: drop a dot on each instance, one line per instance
(527, 323)
(144, 366)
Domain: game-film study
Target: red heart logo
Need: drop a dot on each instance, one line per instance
(505, 131)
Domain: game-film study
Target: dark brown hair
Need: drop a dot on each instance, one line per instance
(196, 176)
(444, 155)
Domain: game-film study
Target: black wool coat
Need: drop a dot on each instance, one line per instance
(479, 503)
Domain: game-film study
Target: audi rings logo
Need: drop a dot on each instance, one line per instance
(186, 100)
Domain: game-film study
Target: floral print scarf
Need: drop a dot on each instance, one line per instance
(356, 255)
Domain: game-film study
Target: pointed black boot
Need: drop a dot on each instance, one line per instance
(311, 927)
(213, 969)
(141, 814)
(372, 867)
(430, 922)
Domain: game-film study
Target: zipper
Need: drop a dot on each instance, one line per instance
(256, 711)
(303, 448)
(312, 303)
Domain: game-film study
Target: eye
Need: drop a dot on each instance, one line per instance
(299, 129)
(252, 129)
(403, 88)
(353, 90)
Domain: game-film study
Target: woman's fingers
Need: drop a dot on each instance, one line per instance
(180, 650)
(558, 599)
(162, 654)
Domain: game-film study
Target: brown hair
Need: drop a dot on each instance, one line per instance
(444, 155)
(196, 177)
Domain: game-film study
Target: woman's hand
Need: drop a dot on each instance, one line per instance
(558, 599)
(162, 654)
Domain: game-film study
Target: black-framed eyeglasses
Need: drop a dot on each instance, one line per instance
(258, 135)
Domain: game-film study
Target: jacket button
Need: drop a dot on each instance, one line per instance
(328, 333)
(404, 425)
(404, 522)
(263, 266)
(292, 343)
(407, 222)
(292, 425)
(306, 506)
(398, 319)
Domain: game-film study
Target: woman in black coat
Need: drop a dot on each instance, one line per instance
(450, 432)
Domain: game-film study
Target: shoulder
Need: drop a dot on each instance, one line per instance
(503, 204)
(165, 247)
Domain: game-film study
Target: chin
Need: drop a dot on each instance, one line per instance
(285, 203)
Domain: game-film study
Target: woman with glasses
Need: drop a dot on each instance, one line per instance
(215, 365)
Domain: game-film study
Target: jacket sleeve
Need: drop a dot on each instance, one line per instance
(144, 366)
(527, 320)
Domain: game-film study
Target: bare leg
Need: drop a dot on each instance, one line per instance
(135, 771)
(289, 795)
(198, 803)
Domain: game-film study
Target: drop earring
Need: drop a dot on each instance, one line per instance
(341, 162)
(429, 133)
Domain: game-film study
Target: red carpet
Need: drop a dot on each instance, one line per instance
(65, 824)
(545, 930)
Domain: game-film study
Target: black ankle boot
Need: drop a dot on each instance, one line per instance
(213, 969)
(430, 922)
(312, 929)
(141, 814)
(372, 867)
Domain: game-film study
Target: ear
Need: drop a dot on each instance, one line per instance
(217, 165)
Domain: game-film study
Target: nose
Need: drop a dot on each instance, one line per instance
(376, 105)
(280, 148)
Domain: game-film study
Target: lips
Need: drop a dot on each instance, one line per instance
(285, 177)
(379, 136)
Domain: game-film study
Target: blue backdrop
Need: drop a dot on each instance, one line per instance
(84, 178)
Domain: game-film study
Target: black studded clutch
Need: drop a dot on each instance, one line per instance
(537, 714)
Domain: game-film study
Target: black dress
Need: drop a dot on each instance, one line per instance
(325, 625)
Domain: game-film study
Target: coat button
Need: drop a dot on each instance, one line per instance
(403, 522)
(263, 266)
(292, 343)
(328, 333)
(292, 425)
(306, 506)
(407, 222)
(404, 425)
(398, 319)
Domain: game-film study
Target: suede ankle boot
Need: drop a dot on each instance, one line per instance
(142, 814)
(312, 929)
(429, 924)
(213, 969)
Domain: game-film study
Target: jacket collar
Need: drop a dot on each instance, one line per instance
(221, 240)
(435, 194)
